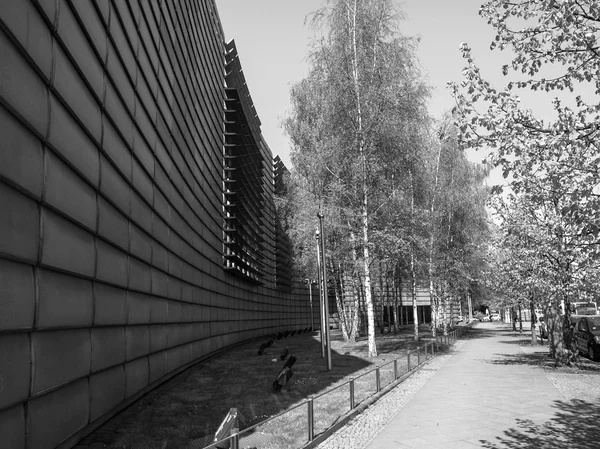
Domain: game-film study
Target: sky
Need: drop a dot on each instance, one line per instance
(273, 41)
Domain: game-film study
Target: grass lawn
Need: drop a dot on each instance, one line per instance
(190, 409)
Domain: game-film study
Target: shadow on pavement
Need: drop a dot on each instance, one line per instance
(487, 330)
(574, 425)
(476, 332)
(541, 359)
(520, 342)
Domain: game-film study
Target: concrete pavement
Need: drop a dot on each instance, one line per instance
(491, 393)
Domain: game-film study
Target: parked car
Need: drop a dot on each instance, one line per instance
(584, 308)
(495, 316)
(586, 334)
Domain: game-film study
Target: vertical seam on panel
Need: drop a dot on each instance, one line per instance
(128, 247)
(124, 381)
(93, 309)
(126, 338)
(104, 89)
(53, 67)
(127, 256)
(26, 417)
(88, 379)
(98, 193)
(41, 204)
(36, 297)
(96, 251)
(49, 109)
(56, 15)
(109, 19)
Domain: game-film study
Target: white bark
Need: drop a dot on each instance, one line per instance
(434, 300)
(412, 261)
(352, 16)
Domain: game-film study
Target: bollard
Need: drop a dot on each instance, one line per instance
(352, 394)
(418, 356)
(377, 380)
(235, 438)
(311, 429)
(395, 369)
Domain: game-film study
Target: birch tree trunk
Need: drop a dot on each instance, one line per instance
(433, 299)
(357, 291)
(394, 308)
(413, 274)
(339, 299)
(352, 16)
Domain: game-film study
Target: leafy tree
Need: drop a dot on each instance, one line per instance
(352, 120)
(457, 220)
(553, 165)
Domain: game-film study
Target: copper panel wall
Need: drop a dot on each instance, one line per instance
(111, 211)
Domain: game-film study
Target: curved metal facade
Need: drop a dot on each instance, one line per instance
(137, 226)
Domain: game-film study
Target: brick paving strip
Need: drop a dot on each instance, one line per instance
(364, 427)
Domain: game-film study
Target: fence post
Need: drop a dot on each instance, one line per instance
(352, 394)
(418, 356)
(408, 360)
(311, 429)
(395, 369)
(377, 380)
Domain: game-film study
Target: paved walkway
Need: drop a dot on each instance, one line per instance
(488, 394)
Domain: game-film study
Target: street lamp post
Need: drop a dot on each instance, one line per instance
(310, 283)
(325, 295)
(321, 307)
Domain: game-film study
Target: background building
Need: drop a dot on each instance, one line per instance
(138, 232)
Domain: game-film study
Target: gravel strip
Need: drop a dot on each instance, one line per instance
(576, 386)
(364, 427)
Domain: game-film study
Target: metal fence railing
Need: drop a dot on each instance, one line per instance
(359, 389)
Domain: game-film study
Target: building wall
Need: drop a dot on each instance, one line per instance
(111, 206)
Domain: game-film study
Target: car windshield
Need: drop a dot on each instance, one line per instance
(594, 324)
(585, 310)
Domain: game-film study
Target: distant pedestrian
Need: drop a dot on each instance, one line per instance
(543, 330)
